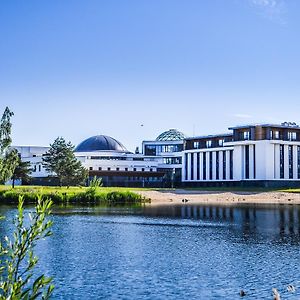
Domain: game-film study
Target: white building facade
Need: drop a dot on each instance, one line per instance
(264, 154)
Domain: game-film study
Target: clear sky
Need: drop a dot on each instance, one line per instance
(76, 68)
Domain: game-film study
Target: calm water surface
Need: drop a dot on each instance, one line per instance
(178, 252)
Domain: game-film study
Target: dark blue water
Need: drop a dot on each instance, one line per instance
(182, 252)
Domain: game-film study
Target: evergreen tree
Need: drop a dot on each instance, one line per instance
(60, 159)
(8, 157)
(22, 171)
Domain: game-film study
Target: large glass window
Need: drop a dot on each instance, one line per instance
(172, 160)
(210, 166)
(208, 144)
(204, 165)
(150, 150)
(198, 166)
(231, 163)
(291, 162)
(217, 165)
(224, 165)
(281, 161)
(247, 161)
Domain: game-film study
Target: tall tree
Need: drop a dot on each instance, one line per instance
(8, 157)
(60, 159)
(22, 171)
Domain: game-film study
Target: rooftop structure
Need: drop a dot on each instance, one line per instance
(171, 135)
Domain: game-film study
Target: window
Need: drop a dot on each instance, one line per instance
(204, 165)
(143, 170)
(99, 168)
(208, 144)
(126, 169)
(276, 135)
(221, 142)
(134, 169)
(292, 136)
(231, 163)
(247, 166)
(198, 166)
(34, 168)
(150, 150)
(40, 168)
(108, 169)
(117, 169)
(246, 135)
(91, 168)
(210, 165)
(281, 161)
(151, 170)
(224, 165)
(291, 160)
(192, 166)
(196, 145)
(217, 165)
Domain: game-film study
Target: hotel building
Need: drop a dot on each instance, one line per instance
(254, 155)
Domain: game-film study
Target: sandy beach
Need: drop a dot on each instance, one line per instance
(168, 197)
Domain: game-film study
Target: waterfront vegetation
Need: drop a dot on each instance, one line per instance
(72, 195)
(18, 276)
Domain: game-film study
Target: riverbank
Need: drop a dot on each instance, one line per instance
(222, 197)
(73, 195)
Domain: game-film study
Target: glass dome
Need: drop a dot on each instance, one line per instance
(100, 143)
(171, 135)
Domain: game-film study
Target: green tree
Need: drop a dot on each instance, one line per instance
(60, 159)
(8, 157)
(22, 171)
(17, 259)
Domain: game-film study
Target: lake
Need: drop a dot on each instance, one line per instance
(171, 252)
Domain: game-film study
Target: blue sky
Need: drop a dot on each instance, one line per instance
(79, 68)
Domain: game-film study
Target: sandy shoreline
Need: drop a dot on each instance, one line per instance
(218, 197)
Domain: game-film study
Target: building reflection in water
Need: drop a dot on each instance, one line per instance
(274, 221)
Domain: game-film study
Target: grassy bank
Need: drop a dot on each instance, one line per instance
(74, 195)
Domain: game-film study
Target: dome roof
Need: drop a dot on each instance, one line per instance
(171, 135)
(100, 143)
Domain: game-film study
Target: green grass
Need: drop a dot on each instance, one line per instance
(72, 195)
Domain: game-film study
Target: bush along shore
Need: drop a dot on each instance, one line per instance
(95, 196)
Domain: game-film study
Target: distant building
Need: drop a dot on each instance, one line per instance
(250, 155)
(167, 150)
(254, 155)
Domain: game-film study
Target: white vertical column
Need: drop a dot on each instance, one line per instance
(277, 161)
(295, 162)
(214, 164)
(201, 165)
(251, 161)
(207, 165)
(286, 162)
(238, 163)
(189, 166)
(195, 165)
(183, 167)
(227, 165)
(221, 165)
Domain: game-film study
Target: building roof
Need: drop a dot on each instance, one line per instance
(290, 125)
(100, 143)
(171, 135)
(212, 136)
